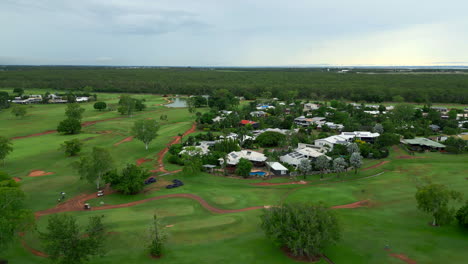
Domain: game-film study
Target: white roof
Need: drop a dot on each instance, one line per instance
(295, 157)
(277, 166)
(336, 139)
(360, 134)
(199, 150)
(234, 157)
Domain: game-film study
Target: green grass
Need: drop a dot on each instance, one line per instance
(199, 236)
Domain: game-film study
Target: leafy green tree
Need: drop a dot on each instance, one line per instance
(158, 237)
(388, 139)
(6, 146)
(130, 181)
(72, 147)
(126, 105)
(18, 111)
(352, 148)
(226, 145)
(191, 104)
(94, 166)
(18, 91)
(339, 165)
(455, 145)
(398, 99)
(403, 113)
(139, 104)
(322, 163)
(434, 199)
(65, 244)
(462, 215)
(100, 106)
(378, 128)
(244, 167)
(14, 217)
(4, 97)
(270, 139)
(74, 111)
(145, 130)
(192, 160)
(355, 161)
(69, 126)
(305, 229)
(304, 167)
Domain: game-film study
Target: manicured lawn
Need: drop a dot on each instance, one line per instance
(200, 236)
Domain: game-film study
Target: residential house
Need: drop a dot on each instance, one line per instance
(345, 138)
(303, 151)
(232, 159)
(310, 107)
(82, 99)
(255, 125)
(258, 114)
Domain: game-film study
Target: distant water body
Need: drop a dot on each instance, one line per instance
(178, 102)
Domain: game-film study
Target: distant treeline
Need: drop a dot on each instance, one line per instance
(248, 82)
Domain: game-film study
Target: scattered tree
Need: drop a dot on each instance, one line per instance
(456, 145)
(72, 147)
(434, 199)
(304, 167)
(462, 215)
(4, 97)
(74, 111)
(322, 163)
(352, 148)
(100, 106)
(244, 167)
(18, 111)
(130, 181)
(6, 146)
(378, 128)
(65, 244)
(355, 161)
(94, 166)
(126, 105)
(69, 126)
(158, 237)
(145, 130)
(339, 165)
(18, 91)
(305, 229)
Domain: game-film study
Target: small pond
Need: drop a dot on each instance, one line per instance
(177, 102)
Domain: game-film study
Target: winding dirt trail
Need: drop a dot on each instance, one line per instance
(160, 156)
(376, 165)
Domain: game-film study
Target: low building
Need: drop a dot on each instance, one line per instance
(345, 138)
(310, 107)
(422, 144)
(232, 159)
(258, 114)
(305, 121)
(365, 136)
(303, 151)
(434, 128)
(82, 99)
(277, 168)
(265, 107)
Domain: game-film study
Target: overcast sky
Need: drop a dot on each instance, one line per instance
(234, 32)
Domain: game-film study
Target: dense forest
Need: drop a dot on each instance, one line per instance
(248, 82)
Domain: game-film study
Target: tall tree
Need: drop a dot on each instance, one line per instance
(64, 242)
(72, 147)
(352, 148)
(322, 163)
(145, 130)
(305, 229)
(378, 128)
(18, 111)
(14, 217)
(355, 161)
(6, 146)
(339, 165)
(100, 106)
(69, 126)
(462, 215)
(126, 105)
(4, 97)
(18, 91)
(158, 237)
(243, 168)
(304, 167)
(94, 166)
(434, 199)
(130, 181)
(74, 111)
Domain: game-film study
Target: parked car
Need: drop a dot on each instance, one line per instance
(150, 180)
(176, 183)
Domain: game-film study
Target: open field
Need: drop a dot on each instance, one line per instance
(200, 235)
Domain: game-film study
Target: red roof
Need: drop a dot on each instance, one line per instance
(245, 122)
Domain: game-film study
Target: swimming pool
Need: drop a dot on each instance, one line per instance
(257, 173)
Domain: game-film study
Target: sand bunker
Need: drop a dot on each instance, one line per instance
(38, 173)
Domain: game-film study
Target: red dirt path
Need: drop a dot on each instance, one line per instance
(141, 161)
(162, 153)
(352, 205)
(403, 257)
(39, 173)
(127, 139)
(377, 165)
(17, 179)
(409, 157)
